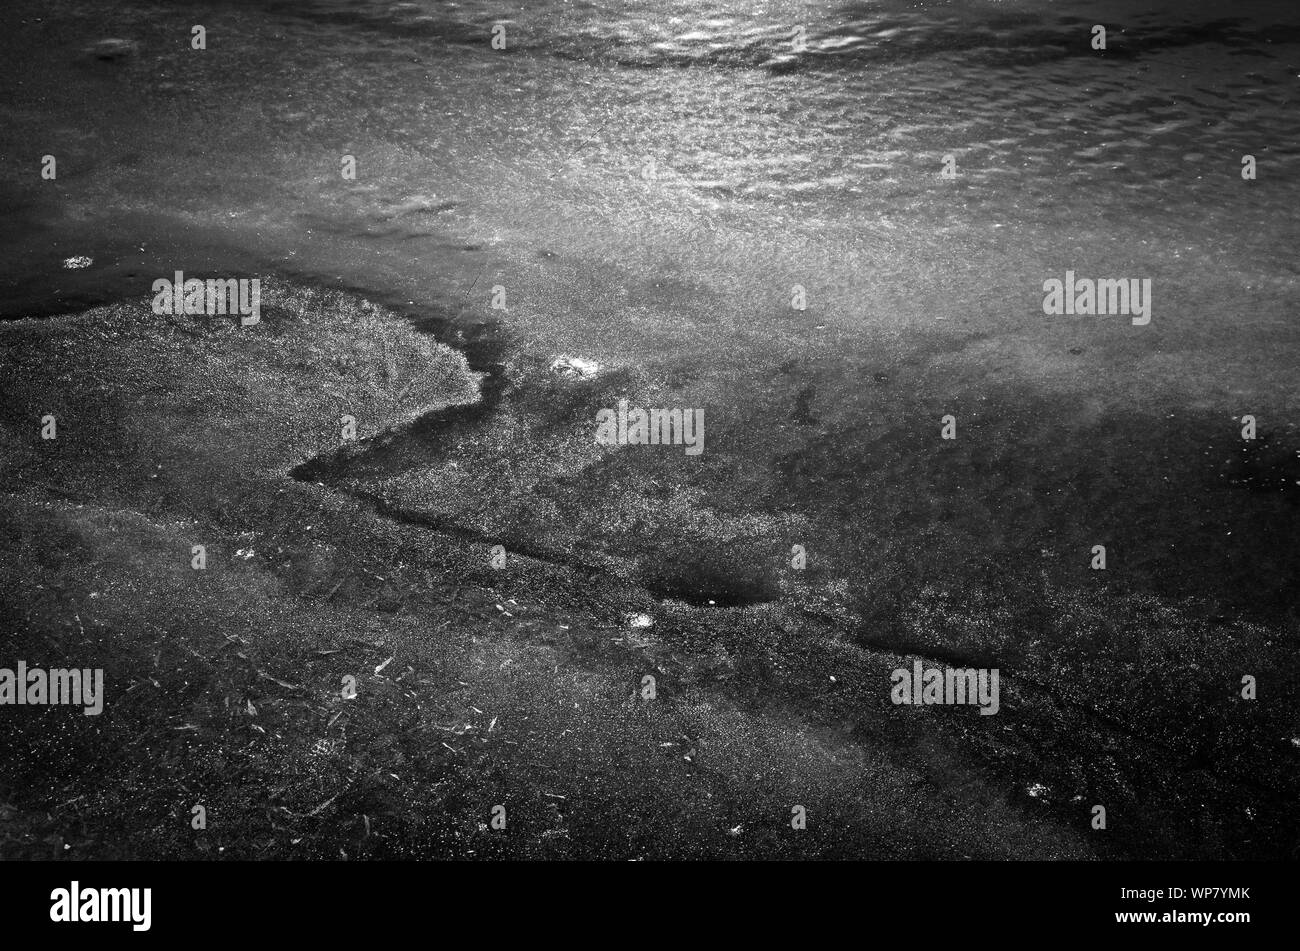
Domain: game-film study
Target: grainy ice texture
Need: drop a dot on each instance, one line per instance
(675, 205)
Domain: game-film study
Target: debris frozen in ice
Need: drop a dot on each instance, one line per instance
(113, 49)
(576, 367)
